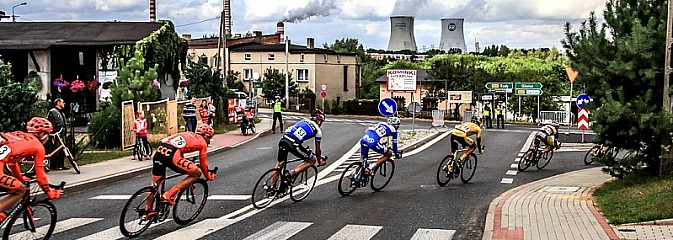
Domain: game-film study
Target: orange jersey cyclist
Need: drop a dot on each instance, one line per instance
(16, 146)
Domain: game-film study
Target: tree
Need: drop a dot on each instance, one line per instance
(233, 81)
(621, 63)
(348, 45)
(274, 84)
(204, 81)
(21, 96)
(134, 82)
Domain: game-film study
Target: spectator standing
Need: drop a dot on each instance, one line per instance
(140, 126)
(211, 109)
(57, 118)
(277, 110)
(204, 112)
(487, 116)
(189, 114)
(500, 122)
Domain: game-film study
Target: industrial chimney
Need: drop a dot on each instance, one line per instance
(452, 35)
(402, 34)
(227, 17)
(280, 29)
(153, 11)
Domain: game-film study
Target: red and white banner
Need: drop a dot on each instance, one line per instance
(583, 119)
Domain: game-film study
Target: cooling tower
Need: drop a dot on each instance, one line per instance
(452, 35)
(402, 34)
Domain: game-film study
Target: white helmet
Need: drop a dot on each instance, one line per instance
(395, 121)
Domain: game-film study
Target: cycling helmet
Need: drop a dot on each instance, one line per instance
(475, 120)
(318, 115)
(395, 121)
(205, 130)
(39, 125)
(555, 124)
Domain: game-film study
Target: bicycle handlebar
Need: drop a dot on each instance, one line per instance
(31, 175)
(214, 170)
(59, 187)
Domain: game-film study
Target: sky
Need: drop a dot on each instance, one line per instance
(515, 23)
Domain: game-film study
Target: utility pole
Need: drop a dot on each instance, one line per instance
(666, 159)
(287, 73)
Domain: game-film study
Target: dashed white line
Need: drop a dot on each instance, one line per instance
(512, 172)
(514, 165)
(517, 159)
(507, 180)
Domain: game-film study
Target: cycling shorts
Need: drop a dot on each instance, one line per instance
(287, 145)
(464, 141)
(169, 156)
(376, 146)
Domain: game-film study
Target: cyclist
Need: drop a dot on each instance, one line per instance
(294, 136)
(461, 134)
(171, 154)
(549, 135)
(371, 140)
(18, 145)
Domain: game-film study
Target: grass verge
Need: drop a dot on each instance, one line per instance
(636, 199)
(94, 157)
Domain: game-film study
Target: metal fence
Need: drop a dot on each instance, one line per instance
(560, 117)
(467, 116)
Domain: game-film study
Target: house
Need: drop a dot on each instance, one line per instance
(206, 49)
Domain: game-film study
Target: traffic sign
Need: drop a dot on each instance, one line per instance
(528, 85)
(582, 100)
(323, 94)
(583, 119)
(258, 84)
(414, 107)
(387, 107)
(488, 97)
(499, 85)
(323, 87)
(572, 74)
(529, 92)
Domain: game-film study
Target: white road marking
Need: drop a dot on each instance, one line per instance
(113, 232)
(433, 234)
(507, 180)
(427, 145)
(520, 154)
(263, 148)
(512, 172)
(198, 229)
(517, 159)
(356, 232)
(211, 197)
(514, 165)
(279, 231)
(61, 226)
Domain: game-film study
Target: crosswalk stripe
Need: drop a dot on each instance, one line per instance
(514, 165)
(279, 230)
(512, 172)
(114, 232)
(211, 197)
(198, 229)
(433, 234)
(61, 226)
(356, 232)
(507, 180)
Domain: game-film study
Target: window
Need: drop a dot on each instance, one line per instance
(338, 58)
(247, 74)
(302, 75)
(248, 56)
(272, 56)
(325, 57)
(301, 58)
(345, 78)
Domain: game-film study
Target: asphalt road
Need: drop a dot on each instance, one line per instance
(412, 200)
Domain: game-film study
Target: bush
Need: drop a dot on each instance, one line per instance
(108, 121)
(21, 96)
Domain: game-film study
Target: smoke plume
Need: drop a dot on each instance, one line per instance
(314, 8)
(409, 7)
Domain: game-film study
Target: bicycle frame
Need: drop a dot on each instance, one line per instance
(29, 199)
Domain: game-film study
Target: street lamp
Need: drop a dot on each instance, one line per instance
(14, 16)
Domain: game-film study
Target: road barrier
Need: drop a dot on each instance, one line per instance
(467, 116)
(437, 119)
(547, 117)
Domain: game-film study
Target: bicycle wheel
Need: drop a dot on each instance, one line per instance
(132, 220)
(347, 184)
(38, 223)
(443, 174)
(71, 159)
(544, 160)
(589, 157)
(244, 129)
(189, 202)
(252, 127)
(383, 175)
(265, 190)
(469, 168)
(138, 151)
(526, 160)
(303, 184)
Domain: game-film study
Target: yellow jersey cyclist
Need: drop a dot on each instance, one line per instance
(461, 134)
(547, 134)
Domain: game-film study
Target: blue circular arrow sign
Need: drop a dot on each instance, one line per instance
(582, 100)
(387, 107)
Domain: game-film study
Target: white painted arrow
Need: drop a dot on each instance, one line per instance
(388, 107)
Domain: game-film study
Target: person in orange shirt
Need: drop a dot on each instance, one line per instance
(15, 146)
(171, 154)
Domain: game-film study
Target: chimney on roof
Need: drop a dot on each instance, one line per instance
(237, 35)
(187, 36)
(2, 15)
(257, 33)
(153, 11)
(280, 29)
(310, 43)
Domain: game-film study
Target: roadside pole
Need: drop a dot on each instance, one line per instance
(538, 108)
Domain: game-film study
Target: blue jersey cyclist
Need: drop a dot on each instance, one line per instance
(372, 140)
(293, 138)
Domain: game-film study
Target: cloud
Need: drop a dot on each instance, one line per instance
(314, 8)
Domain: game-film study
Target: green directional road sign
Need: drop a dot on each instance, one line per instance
(499, 85)
(528, 85)
(258, 84)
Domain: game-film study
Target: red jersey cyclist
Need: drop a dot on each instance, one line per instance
(15, 146)
(171, 154)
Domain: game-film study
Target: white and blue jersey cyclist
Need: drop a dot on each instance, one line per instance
(372, 140)
(296, 135)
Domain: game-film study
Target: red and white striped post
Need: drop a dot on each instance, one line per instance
(583, 120)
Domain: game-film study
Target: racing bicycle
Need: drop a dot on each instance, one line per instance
(36, 217)
(600, 151)
(537, 157)
(189, 203)
(277, 182)
(353, 177)
(449, 168)
(142, 149)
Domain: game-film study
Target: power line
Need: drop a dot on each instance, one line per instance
(202, 21)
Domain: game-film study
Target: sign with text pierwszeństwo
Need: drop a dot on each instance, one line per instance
(401, 80)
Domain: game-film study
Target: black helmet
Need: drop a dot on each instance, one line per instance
(555, 124)
(317, 115)
(475, 120)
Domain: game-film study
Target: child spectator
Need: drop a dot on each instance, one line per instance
(140, 128)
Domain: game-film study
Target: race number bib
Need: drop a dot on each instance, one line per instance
(548, 131)
(178, 142)
(300, 133)
(381, 131)
(464, 128)
(4, 151)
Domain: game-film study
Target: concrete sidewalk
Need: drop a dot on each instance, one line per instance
(122, 168)
(560, 207)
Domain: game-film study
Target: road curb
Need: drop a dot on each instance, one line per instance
(111, 178)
